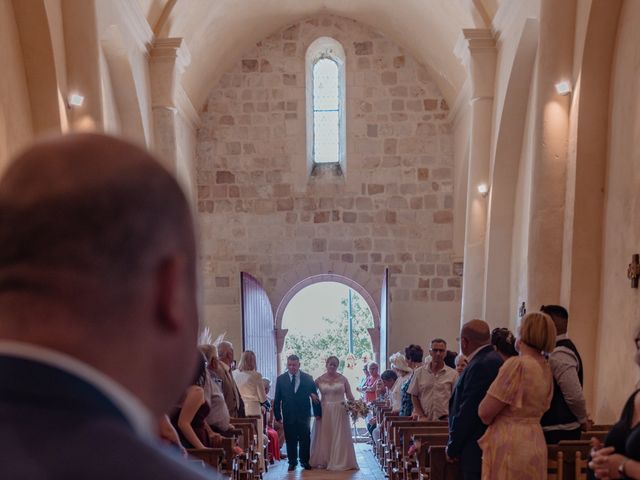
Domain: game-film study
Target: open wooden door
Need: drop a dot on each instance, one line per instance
(258, 333)
(384, 320)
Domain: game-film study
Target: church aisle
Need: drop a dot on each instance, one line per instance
(369, 469)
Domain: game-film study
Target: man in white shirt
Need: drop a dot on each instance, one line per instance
(432, 385)
(567, 415)
(98, 307)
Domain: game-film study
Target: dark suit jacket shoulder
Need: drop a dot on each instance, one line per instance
(465, 426)
(290, 405)
(56, 426)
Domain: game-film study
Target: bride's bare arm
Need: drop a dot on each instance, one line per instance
(347, 390)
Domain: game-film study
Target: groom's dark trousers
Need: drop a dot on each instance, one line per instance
(293, 407)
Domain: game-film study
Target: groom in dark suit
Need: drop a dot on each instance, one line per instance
(465, 426)
(296, 396)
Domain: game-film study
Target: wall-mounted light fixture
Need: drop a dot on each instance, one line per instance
(483, 189)
(563, 88)
(75, 100)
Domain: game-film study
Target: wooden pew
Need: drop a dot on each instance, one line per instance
(601, 427)
(572, 451)
(211, 456)
(555, 465)
(421, 464)
(592, 434)
(439, 468)
(392, 439)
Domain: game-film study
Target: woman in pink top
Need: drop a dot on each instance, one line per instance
(371, 384)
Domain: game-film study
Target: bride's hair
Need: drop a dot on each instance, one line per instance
(332, 357)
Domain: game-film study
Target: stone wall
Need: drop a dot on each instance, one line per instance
(392, 207)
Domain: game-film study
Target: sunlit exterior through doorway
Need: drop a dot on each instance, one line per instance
(324, 319)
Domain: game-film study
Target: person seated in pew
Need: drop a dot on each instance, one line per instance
(619, 455)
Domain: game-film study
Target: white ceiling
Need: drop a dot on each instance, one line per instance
(218, 31)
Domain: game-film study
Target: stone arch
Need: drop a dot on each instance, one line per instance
(374, 332)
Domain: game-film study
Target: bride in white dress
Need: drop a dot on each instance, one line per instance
(331, 443)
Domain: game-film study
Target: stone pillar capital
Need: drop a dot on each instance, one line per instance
(168, 59)
(476, 50)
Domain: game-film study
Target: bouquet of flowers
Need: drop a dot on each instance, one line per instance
(357, 409)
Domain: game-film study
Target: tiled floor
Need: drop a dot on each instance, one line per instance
(369, 469)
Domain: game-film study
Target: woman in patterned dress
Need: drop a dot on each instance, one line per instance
(513, 445)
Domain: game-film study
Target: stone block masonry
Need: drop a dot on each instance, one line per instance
(395, 210)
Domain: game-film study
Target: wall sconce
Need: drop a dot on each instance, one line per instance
(483, 189)
(75, 100)
(563, 88)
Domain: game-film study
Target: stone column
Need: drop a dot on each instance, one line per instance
(476, 49)
(550, 153)
(167, 61)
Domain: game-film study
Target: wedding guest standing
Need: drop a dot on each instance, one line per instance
(414, 355)
(401, 368)
(567, 416)
(372, 383)
(251, 390)
(504, 342)
(513, 445)
(465, 426)
(232, 396)
(432, 385)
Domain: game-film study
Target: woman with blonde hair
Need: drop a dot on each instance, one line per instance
(251, 388)
(514, 446)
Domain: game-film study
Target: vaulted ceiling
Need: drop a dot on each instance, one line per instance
(219, 31)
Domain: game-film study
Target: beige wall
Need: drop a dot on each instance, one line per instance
(395, 207)
(15, 110)
(616, 374)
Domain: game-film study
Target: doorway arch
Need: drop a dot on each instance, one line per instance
(374, 332)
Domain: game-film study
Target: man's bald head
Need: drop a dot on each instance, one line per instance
(97, 260)
(86, 211)
(474, 334)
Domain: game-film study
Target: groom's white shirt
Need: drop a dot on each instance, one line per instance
(297, 383)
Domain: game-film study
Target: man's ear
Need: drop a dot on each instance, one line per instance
(171, 290)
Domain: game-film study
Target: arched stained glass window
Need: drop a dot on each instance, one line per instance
(326, 111)
(326, 117)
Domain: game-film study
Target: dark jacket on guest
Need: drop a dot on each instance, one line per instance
(465, 426)
(58, 426)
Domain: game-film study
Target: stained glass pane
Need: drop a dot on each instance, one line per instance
(326, 108)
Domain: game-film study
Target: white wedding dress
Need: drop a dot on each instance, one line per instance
(331, 443)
